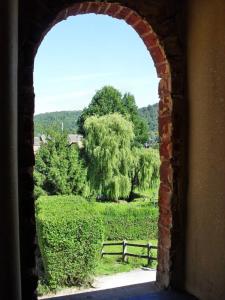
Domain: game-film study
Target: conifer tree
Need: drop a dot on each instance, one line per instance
(59, 169)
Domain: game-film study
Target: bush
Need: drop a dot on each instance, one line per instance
(131, 221)
(59, 168)
(69, 232)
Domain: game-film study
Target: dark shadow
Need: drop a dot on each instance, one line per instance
(144, 291)
(180, 155)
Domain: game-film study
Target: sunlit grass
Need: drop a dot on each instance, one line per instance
(113, 264)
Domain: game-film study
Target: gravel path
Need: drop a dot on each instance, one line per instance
(124, 279)
(134, 277)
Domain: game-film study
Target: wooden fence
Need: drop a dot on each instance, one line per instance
(124, 253)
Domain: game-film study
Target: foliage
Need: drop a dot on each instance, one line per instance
(115, 169)
(105, 101)
(59, 169)
(108, 100)
(69, 234)
(150, 114)
(150, 194)
(108, 148)
(42, 122)
(129, 220)
(140, 125)
(70, 231)
(145, 171)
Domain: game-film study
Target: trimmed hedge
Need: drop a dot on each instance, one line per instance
(131, 221)
(70, 233)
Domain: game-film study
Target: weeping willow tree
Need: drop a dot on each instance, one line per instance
(145, 169)
(109, 155)
(109, 100)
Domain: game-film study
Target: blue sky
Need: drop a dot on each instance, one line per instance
(82, 54)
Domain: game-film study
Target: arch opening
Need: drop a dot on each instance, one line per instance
(155, 49)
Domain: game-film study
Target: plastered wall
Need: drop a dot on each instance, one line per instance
(205, 247)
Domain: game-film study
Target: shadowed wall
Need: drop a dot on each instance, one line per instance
(205, 267)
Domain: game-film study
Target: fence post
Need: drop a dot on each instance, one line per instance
(124, 250)
(102, 250)
(149, 254)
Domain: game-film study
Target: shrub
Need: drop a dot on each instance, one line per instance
(129, 221)
(59, 168)
(69, 233)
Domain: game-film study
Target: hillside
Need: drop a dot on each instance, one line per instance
(69, 119)
(150, 114)
(55, 119)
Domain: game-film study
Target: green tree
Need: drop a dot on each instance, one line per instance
(59, 170)
(109, 156)
(69, 119)
(105, 101)
(140, 125)
(108, 100)
(145, 169)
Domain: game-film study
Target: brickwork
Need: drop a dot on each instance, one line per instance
(160, 40)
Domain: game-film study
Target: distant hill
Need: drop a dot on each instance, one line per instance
(69, 119)
(55, 119)
(150, 114)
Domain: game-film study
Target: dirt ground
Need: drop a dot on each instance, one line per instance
(134, 277)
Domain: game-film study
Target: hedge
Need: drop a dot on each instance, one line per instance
(69, 233)
(131, 221)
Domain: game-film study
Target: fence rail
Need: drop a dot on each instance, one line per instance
(125, 253)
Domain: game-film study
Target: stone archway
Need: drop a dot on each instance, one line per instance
(26, 108)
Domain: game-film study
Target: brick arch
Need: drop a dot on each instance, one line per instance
(156, 50)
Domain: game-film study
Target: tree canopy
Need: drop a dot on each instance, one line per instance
(140, 125)
(115, 168)
(59, 169)
(145, 169)
(113, 163)
(43, 121)
(109, 100)
(108, 147)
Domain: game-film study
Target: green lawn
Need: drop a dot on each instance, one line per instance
(111, 264)
(150, 194)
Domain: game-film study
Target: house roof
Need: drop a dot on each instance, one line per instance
(74, 138)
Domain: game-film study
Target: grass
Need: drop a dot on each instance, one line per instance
(112, 264)
(150, 194)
